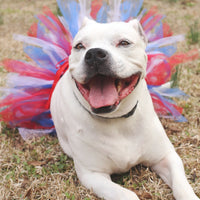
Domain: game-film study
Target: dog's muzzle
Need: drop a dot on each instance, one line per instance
(96, 57)
(97, 61)
(102, 89)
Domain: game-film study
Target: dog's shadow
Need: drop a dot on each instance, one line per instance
(143, 181)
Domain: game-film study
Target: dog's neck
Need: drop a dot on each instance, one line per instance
(127, 115)
(130, 113)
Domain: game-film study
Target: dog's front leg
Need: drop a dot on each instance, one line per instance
(102, 185)
(171, 170)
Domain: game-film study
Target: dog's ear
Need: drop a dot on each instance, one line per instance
(137, 26)
(86, 21)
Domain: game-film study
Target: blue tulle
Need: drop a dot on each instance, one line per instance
(41, 58)
(166, 91)
(174, 114)
(44, 120)
(164, 42)
(158, 31)
(102, 15)
(130, 9)
(70, 10)
(51, 43)
(167, 50)
(141, 14)
(165, 94)
(40, 29)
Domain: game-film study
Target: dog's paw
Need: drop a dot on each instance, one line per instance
(193, 197)
(128, 195)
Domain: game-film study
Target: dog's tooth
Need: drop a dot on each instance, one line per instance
(119, 85)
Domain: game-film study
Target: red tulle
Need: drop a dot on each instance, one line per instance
(19, 111)
(95, 7)
(163, 66)
(62, 69)
(150, 13)
(32, 32)
(147, 27)
(183, 57)
(28, 106)
(160, 73)
(48, 12)
(64, 31)
(160, 107)
(26, 69)
(166, 30)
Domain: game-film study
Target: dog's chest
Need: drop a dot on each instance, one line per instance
(116, 152)
(124, 152)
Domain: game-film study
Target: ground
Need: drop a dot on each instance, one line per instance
(38, 169)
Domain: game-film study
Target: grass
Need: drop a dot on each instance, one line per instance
(184, 2)
(193, 35)
(172, 1)
(1, 19)
(39, 170)
(175, 77)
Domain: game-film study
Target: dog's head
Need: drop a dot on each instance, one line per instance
(107, 63)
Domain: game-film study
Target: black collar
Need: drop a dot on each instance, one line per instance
(127, 115)
(131, 112)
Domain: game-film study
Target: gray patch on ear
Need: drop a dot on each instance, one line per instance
(86, 21)
(136, 25)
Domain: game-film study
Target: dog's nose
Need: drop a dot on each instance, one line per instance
(96, 56)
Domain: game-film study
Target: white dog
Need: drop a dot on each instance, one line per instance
(104, 116)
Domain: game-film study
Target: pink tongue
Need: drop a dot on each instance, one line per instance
(102, 92)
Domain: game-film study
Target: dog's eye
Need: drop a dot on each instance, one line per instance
(79, 46)
(123, 43)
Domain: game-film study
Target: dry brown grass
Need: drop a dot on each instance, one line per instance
(39, 169)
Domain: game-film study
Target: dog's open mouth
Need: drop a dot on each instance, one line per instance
(104, 93)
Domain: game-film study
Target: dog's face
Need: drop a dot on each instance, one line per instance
(107, 64)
